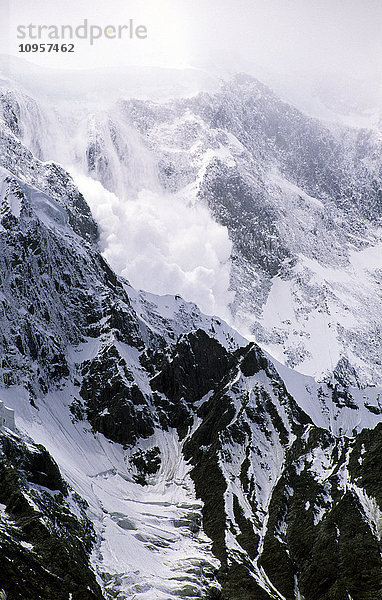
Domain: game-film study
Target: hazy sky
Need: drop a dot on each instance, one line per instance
(321, 55)
(278, 35)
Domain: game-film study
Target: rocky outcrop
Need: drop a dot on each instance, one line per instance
(285, 495)
(45, 546)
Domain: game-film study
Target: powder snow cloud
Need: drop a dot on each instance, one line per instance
(164, 244)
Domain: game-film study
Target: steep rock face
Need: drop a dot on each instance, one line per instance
(301, 201)
(196, 365)
(309, 541)
(209, 469)
(180, 378)
(48, 178)
(45, 535)
(80, 347)
(40, 284)
(57, 291)
(289, 511)
(114, 403)
(323, 164)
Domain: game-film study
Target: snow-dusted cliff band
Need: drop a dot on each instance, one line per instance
(233, 199)
(156, 452)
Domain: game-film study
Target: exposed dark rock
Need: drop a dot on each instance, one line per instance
(115, 406)
(146, 463)
(279, 494)
(44, 548)
(197, 364)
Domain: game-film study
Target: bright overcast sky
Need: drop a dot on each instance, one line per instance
(278, 36)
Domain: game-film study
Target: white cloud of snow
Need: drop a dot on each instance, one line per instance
(165, 244)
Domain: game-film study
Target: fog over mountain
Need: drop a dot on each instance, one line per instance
(324, 55)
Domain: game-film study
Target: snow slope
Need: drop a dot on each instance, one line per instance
(206, 467)
(244, 204)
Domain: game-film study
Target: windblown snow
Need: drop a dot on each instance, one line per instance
(165, 244)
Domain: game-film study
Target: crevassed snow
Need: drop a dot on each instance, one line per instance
(144, 544)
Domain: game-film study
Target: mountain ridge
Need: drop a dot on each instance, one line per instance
(203, 467)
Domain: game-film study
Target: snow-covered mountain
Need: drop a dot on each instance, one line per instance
(286, 211)
(158, 453)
